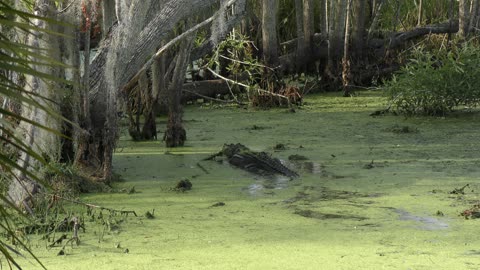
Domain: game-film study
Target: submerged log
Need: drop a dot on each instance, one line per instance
(256, 162)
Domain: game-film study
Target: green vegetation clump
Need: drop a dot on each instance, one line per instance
(436, 83)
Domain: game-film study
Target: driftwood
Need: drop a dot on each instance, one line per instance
(256, 162)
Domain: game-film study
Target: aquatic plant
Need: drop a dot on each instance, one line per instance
(436, 83)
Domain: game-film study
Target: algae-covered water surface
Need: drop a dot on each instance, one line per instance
(373, 193)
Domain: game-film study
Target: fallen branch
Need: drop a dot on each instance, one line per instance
(202, 168)
(89, 205)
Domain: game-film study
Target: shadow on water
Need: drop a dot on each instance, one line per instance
(319, 215)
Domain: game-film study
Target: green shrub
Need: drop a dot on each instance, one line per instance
(436, 83)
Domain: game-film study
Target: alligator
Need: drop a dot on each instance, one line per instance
(256, 162)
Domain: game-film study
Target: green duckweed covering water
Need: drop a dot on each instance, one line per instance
(367, 197)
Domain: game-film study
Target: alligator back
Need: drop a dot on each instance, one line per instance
(256, 162)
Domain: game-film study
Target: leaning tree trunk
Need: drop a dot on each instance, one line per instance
(38, 139)
(175, 135)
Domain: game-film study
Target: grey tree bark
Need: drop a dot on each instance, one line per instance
(38, 139)
(71, 104)
(175, 135)
(109, 15)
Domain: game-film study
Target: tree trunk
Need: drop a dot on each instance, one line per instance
(473, 16)
(420, 12)
(336, 39)
(300, 50)
(41, 141)
(358, 27)
(109, 17)
(331, 37)
(269, 32)
(71, 104)
(376, 11)
(308, 26)
(462, 18)
(149, 129)
(450, 21)
(346, 63)
(340, 19)
(84, 113)
(175, 135)
(324, 18)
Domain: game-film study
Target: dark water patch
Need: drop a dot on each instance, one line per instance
(279, 147)
(323, 216)
(473, 252)
(369, 225)
(257, 127)
(401, 129)
(311, 194)
(296, 157)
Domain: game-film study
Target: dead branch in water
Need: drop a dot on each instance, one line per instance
(90, 206)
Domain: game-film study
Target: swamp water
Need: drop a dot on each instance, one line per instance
(367, 197)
